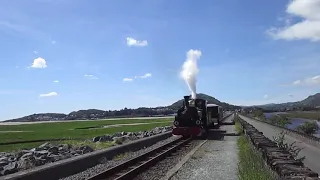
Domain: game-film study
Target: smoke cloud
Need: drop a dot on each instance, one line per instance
(190, 70)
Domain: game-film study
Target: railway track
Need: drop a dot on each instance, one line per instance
(132, 167)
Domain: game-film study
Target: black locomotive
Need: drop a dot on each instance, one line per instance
(196, 117)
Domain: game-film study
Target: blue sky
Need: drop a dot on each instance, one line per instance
(66, 55)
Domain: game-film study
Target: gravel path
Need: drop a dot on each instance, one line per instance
(216, 159)
(213, 160)
(161, 168)
(105, 164)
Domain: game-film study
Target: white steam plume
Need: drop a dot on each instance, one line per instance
(190, 70)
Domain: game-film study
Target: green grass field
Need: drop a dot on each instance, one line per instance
(69, 130)
(315, 115)
(251, 166)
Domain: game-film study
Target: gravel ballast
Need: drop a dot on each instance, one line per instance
(213, 160)
(161, 168)
(105, 164)
(216, 159)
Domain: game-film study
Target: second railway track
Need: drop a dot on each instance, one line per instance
(131, 168)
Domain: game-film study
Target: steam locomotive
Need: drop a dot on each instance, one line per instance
(196, 117)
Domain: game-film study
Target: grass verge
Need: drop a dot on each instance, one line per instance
(54, 132)
(58, 131)
(313, 115)
(251, 166)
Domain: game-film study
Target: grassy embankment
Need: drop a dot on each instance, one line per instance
(251, 166)
(315, 115)
(71, 130)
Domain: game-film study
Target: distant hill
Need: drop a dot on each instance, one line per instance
(313, 100)
(96, 114)
(210, 100)
(306, 104)
(126, 112)
(310, 102)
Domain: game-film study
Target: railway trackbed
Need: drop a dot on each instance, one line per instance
(131, 168)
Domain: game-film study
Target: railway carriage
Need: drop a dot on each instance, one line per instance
(196, 117)
(215, 113)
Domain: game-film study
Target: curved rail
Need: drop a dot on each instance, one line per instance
(132, 167)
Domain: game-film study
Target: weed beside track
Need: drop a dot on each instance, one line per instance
(251, 165)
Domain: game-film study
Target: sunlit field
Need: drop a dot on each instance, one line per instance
(315, 115)
(79, 130)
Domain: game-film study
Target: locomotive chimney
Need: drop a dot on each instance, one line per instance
(186, 100)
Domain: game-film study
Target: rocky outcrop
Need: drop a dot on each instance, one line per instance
(45, 153)
(48, 152)
(279, 160)
(123, 137)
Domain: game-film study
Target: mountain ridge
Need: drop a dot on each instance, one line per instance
(310, 101)
(126, 112)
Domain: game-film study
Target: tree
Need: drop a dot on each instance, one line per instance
(308, 128)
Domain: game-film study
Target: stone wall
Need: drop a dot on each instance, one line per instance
(279, 160)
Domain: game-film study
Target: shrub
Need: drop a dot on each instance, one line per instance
(308, 128)
(279, 120)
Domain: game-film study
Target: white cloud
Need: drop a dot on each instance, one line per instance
(290, 95)
(39, 63)
(147, 75)
(265, 96)
(127, 79)
(133, 42)
(53, 42)
(49, 94)
(308, 28)
(55, 81)
(297, 82)
(313, 80)
(308, 81)
(36, 52)
(90, 76)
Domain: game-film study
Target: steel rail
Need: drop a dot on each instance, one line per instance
(132, 167)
